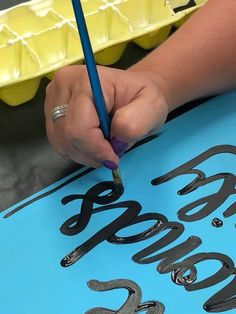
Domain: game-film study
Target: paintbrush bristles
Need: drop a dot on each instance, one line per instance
(116, 177)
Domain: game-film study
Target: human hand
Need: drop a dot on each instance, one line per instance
(135, 103)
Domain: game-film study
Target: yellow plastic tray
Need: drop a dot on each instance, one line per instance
(40, 36)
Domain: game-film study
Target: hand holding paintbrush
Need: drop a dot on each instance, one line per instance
(134, 101)
(94, 79)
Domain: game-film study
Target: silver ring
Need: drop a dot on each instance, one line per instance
(58, 112)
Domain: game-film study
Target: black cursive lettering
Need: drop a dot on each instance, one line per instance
(224, 300)
(133, 303)
(211, 202)
(78, 222)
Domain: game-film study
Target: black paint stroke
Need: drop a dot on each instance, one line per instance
(167, 257)
(45, 194)
(79, 222)
(176, 230)
(179, 269)
(216, 222)
(183, 272)
(161, 221)
(225, 271)
(103, 194)
(180, 277)
(144, 141)
(76, 177)
(224, 300)
(190, 4)
(133, 303)
(211, 202)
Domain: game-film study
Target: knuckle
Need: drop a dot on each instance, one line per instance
(130, 128)
(60, 75)
(133, 130)
(82, 73)
(81, 84)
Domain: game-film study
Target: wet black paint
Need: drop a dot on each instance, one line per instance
(211, 202)
(216, 222)
(133, 303)
(180, 277)
(160, 224)
(226, 270)
(74, 178)
(224, 300)
(183, 272)
(77, 223)
(168, 259)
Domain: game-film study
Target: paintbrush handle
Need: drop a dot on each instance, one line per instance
(98, 97)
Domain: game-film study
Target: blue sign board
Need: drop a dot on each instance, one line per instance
(166, 244)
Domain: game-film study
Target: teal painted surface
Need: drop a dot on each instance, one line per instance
(32, 280)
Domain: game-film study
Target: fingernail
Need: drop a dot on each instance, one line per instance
(109, 164)
(118, 146)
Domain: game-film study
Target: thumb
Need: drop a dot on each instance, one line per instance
(142, 116)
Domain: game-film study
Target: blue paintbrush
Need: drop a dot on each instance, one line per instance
(94, 78)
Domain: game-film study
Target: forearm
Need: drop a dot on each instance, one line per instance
(200, 58)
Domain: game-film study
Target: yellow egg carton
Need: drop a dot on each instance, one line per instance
(40, 36)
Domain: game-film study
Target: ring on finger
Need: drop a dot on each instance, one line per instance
(58, 112)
